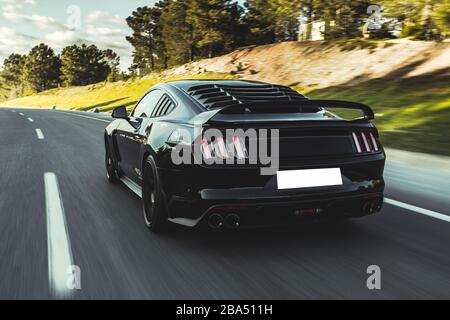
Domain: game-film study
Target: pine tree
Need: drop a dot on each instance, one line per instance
(271, 21)
(13, 68)
(41, 70)
(177, 32)
(161, 53)
(11, 75)
(83, 65)
(113, 61)
(212, 24)
(147, 40)
(422, 19)
(259, 20)
(441, 16)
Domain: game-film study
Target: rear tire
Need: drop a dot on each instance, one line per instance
(153, 202)
(111, 168)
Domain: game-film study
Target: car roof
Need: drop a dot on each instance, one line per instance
(188, 83)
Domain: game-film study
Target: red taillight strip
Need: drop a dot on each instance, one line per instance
(240, 148)
(366, 143)
(355, 138)
(374, 142)
(206, 150)
(221, 146)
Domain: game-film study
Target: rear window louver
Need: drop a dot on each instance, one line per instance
(218, 95)
(163, 108)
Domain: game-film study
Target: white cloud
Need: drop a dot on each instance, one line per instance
(20, 2)
(105, 17)
(60, 39)
(105, 31)
(42, 22)
(101, 28)
(12, 13)
(15, 42)
(103, 38)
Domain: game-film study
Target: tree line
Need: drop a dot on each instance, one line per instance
(42, 69)
(174, 32)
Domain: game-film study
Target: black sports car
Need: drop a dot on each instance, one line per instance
(228, 153)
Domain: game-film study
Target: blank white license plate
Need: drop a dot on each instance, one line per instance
(294, 179)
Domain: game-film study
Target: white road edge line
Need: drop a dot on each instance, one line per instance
(31, 120)
(82, 116)
(58, 243)
(410, 207)
(39, 134)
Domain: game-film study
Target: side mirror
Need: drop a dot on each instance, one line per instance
(120, 113)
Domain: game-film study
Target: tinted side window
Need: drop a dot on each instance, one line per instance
(148, 104)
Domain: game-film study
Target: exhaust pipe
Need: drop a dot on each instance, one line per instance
(215, 221)
(232, 221)
(377, 206)
(369, 207)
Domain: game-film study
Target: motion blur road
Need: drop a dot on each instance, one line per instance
(120, 259)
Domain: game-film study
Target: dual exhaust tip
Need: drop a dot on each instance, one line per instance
(231, 221)
(371, 207)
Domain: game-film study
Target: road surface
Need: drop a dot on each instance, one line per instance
(74, 214)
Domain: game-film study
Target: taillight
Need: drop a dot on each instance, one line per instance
(206, 149)
(365, 139)
(366, 143)
(374, 141)
(355, 139)
(222, 149)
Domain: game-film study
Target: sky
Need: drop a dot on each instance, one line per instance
(59, 23)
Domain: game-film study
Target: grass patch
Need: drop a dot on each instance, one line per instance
(411, 113)
(104, 96)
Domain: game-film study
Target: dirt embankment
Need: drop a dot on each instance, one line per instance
(323, 64)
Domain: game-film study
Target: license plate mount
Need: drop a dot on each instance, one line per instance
(309, 178)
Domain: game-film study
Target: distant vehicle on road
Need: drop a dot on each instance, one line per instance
(188, 149)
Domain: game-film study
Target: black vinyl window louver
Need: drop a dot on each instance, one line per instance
(217, 95)
(164, 107)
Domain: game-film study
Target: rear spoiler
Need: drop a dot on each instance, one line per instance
(368, 113)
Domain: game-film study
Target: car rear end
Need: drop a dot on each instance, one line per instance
(202, 192)
(324, 167)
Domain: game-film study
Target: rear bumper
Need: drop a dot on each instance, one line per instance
(279, 211)
(196, 193)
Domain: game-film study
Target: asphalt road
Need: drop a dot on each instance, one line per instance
(119, 258)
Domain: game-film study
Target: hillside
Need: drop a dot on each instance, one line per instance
(323, 64)
(406, 82)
